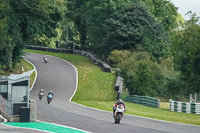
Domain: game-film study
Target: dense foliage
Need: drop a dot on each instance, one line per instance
(157, 53)
(135, 28)
(25, 22)
(186, 50)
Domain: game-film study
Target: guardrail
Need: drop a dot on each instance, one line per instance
(144, 100)
(184, 107)
(5, 105)
(91, 56)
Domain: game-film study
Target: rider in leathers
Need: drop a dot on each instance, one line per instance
(119, 101)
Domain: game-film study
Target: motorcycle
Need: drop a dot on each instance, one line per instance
(40, 95)
(119, 112)
(45, 60)
(49, 98)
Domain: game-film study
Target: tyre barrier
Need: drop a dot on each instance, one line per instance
(144, 100)
(184, 107)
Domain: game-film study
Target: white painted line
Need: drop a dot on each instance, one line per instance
(5, 120)
(110, 111)
(27, 128)
(72, 94)
(35, 74)
(65, 126)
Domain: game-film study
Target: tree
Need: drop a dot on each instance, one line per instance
(6, 47)
(96, 14)
(165, 12)
(186, 49)
(25, 21)
(36, 18)
(76, 9)
(135, 28)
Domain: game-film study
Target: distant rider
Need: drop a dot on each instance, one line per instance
(45, 59)
(50, 93)
(41, 92)
(119, 101)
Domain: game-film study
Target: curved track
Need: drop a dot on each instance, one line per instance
(59, 76)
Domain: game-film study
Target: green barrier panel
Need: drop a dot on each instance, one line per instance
(144, 100)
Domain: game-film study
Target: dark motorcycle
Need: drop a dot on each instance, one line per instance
(40, 95)
(49, 98)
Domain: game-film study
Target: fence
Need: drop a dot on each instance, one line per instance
(144, 100)
(5, 105)
(91, 56)
(184, 107)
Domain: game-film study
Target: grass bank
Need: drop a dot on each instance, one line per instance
(20, 68)
(95, 90)
(93, 83)
(161, 113)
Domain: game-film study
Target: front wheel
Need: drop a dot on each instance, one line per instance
(118, 117)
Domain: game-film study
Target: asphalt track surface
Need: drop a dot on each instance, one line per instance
(60, 76)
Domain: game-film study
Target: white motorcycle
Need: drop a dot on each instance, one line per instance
(119, 112)
(45, 59)
(40, 95)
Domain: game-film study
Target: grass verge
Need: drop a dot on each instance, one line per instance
(20, 68)
(161, 113)
(93, 83)
(95, 90)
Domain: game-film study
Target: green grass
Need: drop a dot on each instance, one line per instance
(162, 113)
(95, 90)
(93, 83)
(27, 66)
(20, 68)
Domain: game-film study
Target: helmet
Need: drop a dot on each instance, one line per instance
(51, 91)
(41, 90)
(120, 101)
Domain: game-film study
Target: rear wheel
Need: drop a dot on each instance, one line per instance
(40, 97)
(48, 101)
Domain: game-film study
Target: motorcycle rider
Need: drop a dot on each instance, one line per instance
(45, 59)
(41, 92)
(119, 101)
(50, 93)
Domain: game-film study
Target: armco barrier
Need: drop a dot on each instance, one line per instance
(91, 56)
(144, 100)
(184, 107)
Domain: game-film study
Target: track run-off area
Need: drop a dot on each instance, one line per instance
(62, 114)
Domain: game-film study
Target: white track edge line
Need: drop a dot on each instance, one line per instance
(35, 74)
(111, 111)
(5, 120)
(73, 93)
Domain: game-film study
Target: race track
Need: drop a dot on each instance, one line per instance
(59, 76)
